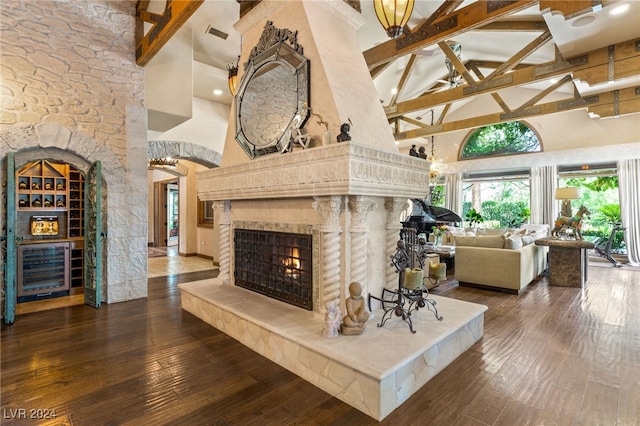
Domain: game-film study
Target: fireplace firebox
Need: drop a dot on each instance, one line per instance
(278, 265)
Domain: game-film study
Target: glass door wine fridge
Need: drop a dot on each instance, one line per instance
(43, 269)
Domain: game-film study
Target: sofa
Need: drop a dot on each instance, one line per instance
(506, 261)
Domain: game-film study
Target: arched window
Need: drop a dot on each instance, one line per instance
(513, 137)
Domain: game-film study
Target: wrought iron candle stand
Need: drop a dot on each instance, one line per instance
(409, 251)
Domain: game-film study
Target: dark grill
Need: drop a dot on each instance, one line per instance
(275, 264)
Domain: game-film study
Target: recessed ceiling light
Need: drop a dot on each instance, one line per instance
(217, 92)
(620, 9)
(394, 91)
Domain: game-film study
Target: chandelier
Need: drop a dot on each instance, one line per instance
(438, 167)
(163, 163)
(393, 15)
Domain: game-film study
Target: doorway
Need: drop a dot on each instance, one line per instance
(172, 215)
(166, 213)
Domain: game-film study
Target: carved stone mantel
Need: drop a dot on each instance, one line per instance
(339, 169)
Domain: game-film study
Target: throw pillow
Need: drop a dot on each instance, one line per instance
(514, 242)
(527, 239)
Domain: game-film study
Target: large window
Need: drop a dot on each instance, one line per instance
(500, 197)
(514, 137)
(598, 185)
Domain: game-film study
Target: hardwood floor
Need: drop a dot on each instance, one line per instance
(550, 356)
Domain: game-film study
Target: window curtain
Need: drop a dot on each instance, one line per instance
(453, 193)
(629, 192)
(544, 181)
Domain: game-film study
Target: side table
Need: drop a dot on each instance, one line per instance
(568, 261)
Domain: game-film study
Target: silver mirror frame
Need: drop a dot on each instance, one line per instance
(278, 47)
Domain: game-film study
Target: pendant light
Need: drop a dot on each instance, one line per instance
(393, 15)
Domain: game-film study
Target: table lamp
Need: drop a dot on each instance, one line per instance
(566, 195)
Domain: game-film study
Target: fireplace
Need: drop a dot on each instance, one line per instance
(276, 264)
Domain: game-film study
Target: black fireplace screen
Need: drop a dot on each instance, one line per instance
(275, 264)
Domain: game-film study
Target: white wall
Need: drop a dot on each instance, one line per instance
(207, 127)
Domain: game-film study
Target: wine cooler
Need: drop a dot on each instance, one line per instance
(43, 269)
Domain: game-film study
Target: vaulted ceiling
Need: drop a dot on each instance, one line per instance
(561, 55)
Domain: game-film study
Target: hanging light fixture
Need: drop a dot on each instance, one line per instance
(393, 15)
(233, 78)
(438, 167)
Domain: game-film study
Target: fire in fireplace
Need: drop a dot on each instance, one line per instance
(276, 264)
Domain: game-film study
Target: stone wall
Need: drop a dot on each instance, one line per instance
(71, 90)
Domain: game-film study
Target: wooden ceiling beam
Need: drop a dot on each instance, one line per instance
(521, 55)
(403, 80)
(592, 67)
(603, 104)
(474, 15)
(164, 26)
(514, 26)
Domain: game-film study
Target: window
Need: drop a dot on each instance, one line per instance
(514, 137)
(598, 184)
(205, 214)
(501, 197)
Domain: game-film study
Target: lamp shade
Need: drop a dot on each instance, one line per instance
(393, 15)
(567, 193)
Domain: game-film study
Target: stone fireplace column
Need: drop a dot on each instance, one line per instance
(329, 208)
(394, 207)
(360, 208)
(223, 208)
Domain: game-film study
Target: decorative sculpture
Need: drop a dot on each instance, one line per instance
(353, 323)
(344, 133)
(562, 223)
(332, 320)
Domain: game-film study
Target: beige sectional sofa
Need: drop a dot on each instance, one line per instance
(505, 262)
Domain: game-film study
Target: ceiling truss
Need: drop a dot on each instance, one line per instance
(596, 67)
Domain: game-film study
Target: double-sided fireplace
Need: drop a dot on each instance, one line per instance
(276, 264)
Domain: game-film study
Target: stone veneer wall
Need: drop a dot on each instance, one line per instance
(71, 91)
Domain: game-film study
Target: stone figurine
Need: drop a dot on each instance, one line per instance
(344, 133)
(353, 323)
(422, 152)
(413, 152)
(332, 320)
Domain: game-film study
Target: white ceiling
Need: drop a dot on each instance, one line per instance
(573, 36)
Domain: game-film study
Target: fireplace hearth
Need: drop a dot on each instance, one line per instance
(276, 264)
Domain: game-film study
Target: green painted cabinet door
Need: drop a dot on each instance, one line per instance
(10, 242)
(93, 236)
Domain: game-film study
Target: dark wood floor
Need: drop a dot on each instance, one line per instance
(551, 356)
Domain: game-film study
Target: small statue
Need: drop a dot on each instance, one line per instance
(48, 186)
(357, 315)
(413, 152)
(35, 185)
(60, 203)
(47, 203)
(37, 203)
(332, 320)
(422, 152)
(22, 185)
(344, 133)
(60, 186)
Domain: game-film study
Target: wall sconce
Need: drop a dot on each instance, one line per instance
(566, 195)
(233, 78)
(393, 15)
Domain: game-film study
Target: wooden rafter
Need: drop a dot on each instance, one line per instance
(403, 80)
(604, 104)
(163, 27)
(592, 67)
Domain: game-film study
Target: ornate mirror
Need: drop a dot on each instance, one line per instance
(273, 94)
